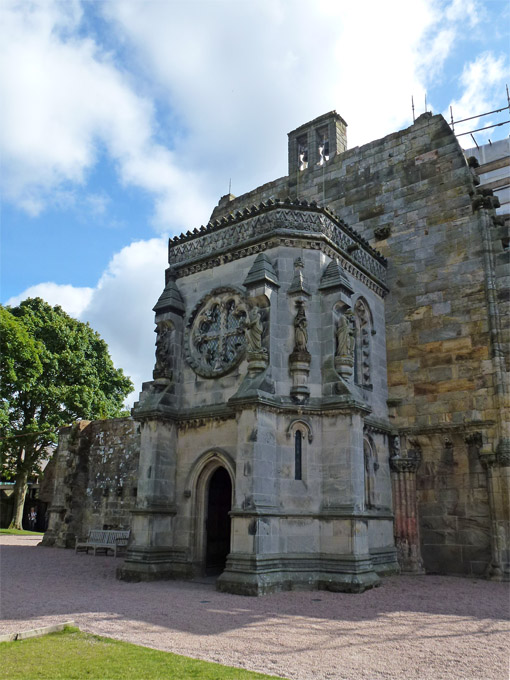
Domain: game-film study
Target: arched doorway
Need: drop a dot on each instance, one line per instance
(217, 529)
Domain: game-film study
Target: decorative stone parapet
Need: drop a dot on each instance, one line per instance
(244, 229)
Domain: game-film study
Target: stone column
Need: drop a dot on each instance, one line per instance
(407, 534)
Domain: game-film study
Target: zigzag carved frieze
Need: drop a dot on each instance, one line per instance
(216, 261)
(223, 243)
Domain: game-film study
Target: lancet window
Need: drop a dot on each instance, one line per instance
(301, 432)
(298, 453)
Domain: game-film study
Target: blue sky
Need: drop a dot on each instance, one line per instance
(123, 121)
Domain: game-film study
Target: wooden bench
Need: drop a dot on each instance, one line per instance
(102, 540)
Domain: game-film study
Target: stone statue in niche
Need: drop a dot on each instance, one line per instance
(300, 329)
(163, 366)
(371, 467)
(345, 336)
(345, 345)
(395, 446)
(253, 331)
(300, 359)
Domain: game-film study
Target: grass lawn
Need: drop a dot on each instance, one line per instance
(21, 532)
(73, 655)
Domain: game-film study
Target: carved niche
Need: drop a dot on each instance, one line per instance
(364, 331)
(215, 332)
(344, 343)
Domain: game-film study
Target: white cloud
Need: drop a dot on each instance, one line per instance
(233, 77)
(120, 308)
(62, 98)
(241, 75)
(482, 81)
(72, 299)
(97, 203)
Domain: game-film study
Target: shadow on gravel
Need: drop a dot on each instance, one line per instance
(38, 581)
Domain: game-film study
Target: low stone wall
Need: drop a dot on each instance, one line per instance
(95, 479)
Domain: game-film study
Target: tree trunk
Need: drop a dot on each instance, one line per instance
(20, 491)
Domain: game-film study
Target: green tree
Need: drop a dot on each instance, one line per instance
(54, 370)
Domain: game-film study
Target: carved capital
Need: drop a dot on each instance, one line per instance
(474, 439)
(409, 463)
(503, 452)
(488, 460)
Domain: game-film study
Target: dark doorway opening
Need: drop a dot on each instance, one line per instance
(219, 504)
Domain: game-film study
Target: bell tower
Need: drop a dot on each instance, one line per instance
(315, 143)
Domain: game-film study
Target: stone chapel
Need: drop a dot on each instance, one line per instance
(329, 400)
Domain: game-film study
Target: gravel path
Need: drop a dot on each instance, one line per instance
(411, 628)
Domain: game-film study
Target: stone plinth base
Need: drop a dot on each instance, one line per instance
(153, 564)
(385, 561)
(263, 574)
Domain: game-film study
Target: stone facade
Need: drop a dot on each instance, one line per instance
(273, 321)
(332, 374)
(413, 196)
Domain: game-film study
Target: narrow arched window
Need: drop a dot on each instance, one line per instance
(298, 450)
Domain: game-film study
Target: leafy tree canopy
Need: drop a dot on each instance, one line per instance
(54, 370)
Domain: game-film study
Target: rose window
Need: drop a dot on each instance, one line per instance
(216, 333)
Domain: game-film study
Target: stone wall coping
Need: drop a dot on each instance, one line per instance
(316, 121)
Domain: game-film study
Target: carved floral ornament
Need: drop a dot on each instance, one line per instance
(220, 329)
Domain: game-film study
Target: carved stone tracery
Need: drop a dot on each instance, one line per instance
(216, 332)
